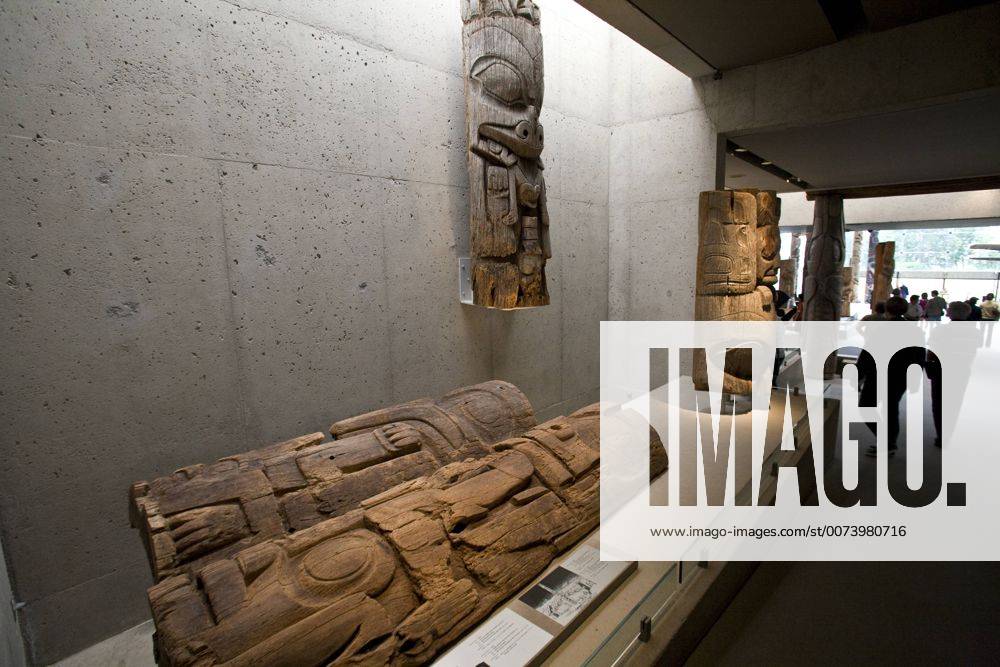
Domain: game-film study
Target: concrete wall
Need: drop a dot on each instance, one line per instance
(941, 59)
(663, 152)
(229, 223)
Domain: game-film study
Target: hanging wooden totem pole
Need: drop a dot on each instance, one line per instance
(504, 87)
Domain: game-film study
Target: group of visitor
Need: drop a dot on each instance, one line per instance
(934, 307)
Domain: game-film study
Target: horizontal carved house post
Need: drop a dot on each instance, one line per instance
(205, 512)
(405, 572)
(504, 86)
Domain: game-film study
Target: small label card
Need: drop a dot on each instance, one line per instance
(506, 640)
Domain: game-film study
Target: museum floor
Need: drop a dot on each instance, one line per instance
(861, 613)
(802, 613)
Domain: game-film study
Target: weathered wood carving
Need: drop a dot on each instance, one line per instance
(885, 269)
(404, 573)
(847, 291)
(857, 275)
(205, 512)
(738, 250)
(504, 87)
(824, 261)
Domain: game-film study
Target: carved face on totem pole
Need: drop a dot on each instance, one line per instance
(738, 249)
(504, 88)
(768, 237)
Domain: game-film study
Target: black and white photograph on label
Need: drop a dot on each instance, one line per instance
(560, 595)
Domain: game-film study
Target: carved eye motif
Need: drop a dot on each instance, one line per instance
(500, 80)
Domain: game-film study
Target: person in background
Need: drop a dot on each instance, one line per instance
(904, 291)
(879, 313)
(895, 292)
(935, 307)
(782, 309)
(913, 310)
(977, 312)
(895, 308)
(923, 302)
(959, 311)
(990, 308)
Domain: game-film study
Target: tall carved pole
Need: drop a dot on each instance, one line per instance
(508, 217)
(870, 273)
(847, 291)
(824, 260)
(786, 276)
(885, 267)
(796, 256)
(858, 278)
(738, 250)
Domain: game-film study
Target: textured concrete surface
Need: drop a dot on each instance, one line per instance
(919, 64)
(227, 222)
(131, 648)
(662, 153)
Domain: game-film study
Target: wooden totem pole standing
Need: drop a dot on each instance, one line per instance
(795, 255)
(870, 268)
(885, 267)
(786, 276)
(738, 248)
(857, 277)
(503, 96)
(823, 283)
(847, 291)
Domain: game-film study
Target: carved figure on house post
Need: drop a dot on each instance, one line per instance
(402, 575)
(205, 512)
(738, 257)
(504, 89)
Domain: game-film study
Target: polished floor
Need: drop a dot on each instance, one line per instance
(841, 613)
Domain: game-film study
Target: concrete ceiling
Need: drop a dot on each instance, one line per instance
(740, 174)
(946, 141)
(702, 36)
(733, 33)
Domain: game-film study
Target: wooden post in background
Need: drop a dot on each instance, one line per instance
(870, 272)
(857, 277)
(738, 250)
(786, 276)
(847, 290)
(795, 255)
(824, 260)
(885, 267)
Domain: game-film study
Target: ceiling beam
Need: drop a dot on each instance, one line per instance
(902, 224)
(900, 189)
(638, 25)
